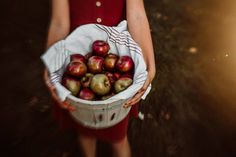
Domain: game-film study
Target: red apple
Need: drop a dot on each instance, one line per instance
(122, 84)
(117, 75)
(111, 77)
(86, 80)
(124, 64)
(76, 68)
(100, 48)
(100, 84)
(71, 84)
(129, 75)
(110, 61)
(86, 94)
(95, 64)
(77, 57)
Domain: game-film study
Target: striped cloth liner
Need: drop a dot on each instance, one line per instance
(79, 41)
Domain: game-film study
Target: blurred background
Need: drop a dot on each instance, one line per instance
(191, 111)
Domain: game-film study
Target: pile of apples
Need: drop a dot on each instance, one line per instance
(98, 75)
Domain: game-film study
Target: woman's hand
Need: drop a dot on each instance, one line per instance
(64, 104)
(137, 97)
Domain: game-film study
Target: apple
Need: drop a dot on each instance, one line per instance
(107, 96)
(76, 68)
(71, 84)
(129, 75)
(77, 57)
(122, 84)
(111, 77)
(86, 80)
(86, 94)
(117, 75)
(95, 64)
(124, 64)
(100, 48)
(100, 84)
(110, 61)
(88, 55)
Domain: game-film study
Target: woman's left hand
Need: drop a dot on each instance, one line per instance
(137, 97)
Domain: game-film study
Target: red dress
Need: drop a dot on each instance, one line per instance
(106, 12)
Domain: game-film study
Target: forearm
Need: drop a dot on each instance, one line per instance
(60, 21)
(56, 32)
(139, 29)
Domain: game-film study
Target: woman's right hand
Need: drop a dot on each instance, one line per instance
(65, 105)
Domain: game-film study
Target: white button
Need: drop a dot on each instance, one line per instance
(99, 20)
(98, 3)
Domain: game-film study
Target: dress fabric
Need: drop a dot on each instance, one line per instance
(106, 12)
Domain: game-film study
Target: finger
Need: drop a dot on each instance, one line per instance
(65, 104)
(47, 80)
(54, 95)
(46, 77)
(140, 92)
(71, 108)
(45, 74)
(136, 96)
(59, 102)
(134, 99)
(146, 84)
(135, 102)
(52, 88)
(131, 99)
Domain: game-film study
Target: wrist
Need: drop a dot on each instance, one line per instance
(151, 66)
(151, 70)
(151, 73)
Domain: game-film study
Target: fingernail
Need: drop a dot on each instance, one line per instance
(66, 104)
(72, 108)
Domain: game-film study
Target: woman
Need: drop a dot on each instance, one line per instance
(69, 14)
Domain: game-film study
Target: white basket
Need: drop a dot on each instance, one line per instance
(100, 115)
(96, 114)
